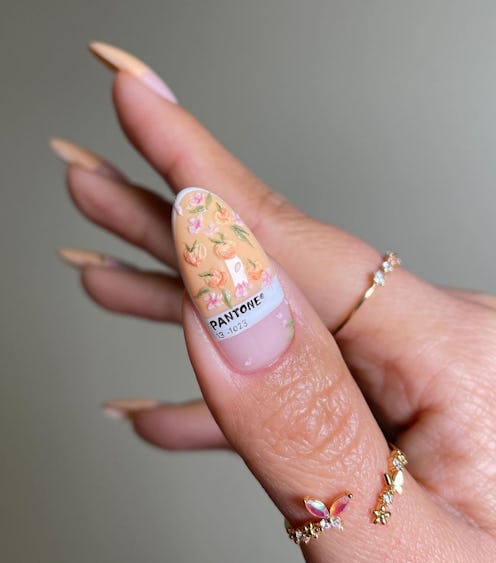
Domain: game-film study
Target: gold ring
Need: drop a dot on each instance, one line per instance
(389, 262)
(329, 518)
(393, 484)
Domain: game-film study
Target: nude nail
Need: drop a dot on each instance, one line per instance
(71, 153)
(117, 59)
(80, 258)
(125, 408)
(230, 280)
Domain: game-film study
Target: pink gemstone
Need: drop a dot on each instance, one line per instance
(316, 508)
(339, 505)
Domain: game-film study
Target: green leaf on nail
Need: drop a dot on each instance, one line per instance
(226, 294)
(198, 209)
(202, 292)
(241, 234)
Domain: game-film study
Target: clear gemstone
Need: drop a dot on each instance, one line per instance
(394, 259)
(387, 266)
(379, 277)
(397, 463)
(335, 522)
(387, 498)
(324, 524)
(298, 534)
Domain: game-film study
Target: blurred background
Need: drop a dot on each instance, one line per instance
(377, 116)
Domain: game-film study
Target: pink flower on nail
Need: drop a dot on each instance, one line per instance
(196, 199)
(195, 224)
(242, 289)
(237, 220)
(211, 229)
(266, 277)
(213, 300)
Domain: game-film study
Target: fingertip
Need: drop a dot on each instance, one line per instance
(179, 427)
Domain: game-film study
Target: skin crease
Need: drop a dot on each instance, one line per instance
(282, 450)
(426, 373)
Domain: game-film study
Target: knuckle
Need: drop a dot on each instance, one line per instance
(270, 205)
(311, 417)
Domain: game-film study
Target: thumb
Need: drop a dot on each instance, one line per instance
(280, 391)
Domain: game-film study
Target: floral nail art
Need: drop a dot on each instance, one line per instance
(219, 235)
(230, 280)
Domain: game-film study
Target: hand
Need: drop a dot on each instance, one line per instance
(424, 357)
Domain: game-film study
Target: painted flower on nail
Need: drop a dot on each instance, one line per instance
(238, 220)
(211, 229)
(266, 277)
(222, 214)
(195, 253)
(224, 248)
(213, 300)
(195, 224)
(196, 199)
(242, 289)
(255, 270)
(215, 278)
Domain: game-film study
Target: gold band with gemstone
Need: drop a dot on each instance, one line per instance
(393, 484)
(389, 261)
(329, 518)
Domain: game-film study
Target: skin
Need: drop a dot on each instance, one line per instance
(415, 366)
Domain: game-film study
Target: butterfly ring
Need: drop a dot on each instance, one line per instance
(329, 518)
(393, 485)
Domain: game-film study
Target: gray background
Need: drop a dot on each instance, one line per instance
(378, 116)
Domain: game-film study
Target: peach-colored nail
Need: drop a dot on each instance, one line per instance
(74, 154)
(117, 59)
(79, 258)
(125, 408)
(230, 280)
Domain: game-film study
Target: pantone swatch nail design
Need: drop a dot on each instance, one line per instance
(230, 280)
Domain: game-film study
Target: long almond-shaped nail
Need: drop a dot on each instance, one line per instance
(230, 280)
(71, 153)
(117, 59)
(80, 258)
(125, 408)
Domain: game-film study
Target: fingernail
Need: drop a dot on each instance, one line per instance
(74, 154)
(230, 280)
(79, 258)
(125, 409)
(117, 59)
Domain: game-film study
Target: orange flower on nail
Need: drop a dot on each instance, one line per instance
(254, 270)
(195, 254)
(214, 278)
(224, 248)
(222, 215)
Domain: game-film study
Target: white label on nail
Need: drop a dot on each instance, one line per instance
(236, 270)
(248, 313)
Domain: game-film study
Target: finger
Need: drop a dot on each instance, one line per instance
(150, 295)
(135, 214)
(106, 197)
(184, 426)
(391, 343)
(87, 160)
(304, 430)
(184, 152)
(277, 384)
(473, 296)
